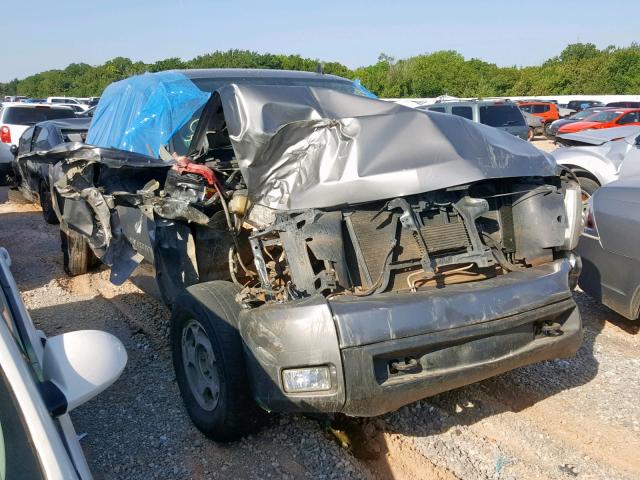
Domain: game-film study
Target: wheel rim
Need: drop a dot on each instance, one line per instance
(200, 366)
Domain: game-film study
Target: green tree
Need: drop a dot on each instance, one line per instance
(579, 68)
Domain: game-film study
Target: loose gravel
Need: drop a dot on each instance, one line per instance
(564, 419)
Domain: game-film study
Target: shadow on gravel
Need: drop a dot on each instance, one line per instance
(139, 421)
(33, 245)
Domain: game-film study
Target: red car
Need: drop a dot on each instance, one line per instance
(606, 119)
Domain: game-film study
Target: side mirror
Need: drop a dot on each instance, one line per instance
(14, 150)
(79, 365)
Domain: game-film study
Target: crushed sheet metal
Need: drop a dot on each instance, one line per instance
(306, 147)
(111, 157)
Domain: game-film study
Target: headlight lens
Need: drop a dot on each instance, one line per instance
(310, 379)
(573, 208)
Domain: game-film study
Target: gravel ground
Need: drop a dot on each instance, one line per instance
(574, 418)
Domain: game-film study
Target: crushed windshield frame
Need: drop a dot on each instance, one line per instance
(182, 138)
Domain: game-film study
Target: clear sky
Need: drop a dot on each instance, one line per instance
(39, 35)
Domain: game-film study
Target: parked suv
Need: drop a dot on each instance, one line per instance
(322, 251)
(15, 118)
(502, 115)
(547, 111)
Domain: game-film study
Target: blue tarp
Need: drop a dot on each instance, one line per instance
(140, 114)
(364, 89)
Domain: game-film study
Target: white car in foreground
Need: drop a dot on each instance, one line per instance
(41, 381)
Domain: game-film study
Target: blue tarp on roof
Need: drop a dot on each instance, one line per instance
(363, 89)
(140, 114)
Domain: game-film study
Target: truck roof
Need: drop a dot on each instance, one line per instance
(254, 73)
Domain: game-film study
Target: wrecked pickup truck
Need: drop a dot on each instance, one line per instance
(322, 251)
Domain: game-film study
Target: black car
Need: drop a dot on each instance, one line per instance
(579, 105)
(32, 168)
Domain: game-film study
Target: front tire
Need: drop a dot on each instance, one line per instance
(48, 212)
(76, 253)
(530, 134)
(209, 363)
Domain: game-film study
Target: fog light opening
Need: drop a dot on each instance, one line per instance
(309, 379)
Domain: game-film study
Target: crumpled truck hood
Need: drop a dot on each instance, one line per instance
(306, 147)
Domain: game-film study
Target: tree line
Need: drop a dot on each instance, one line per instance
(581, 68)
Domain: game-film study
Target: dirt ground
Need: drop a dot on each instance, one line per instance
(564, 419)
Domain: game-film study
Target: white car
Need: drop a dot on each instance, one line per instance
(76, 107)
(67, 101)
(600, 156)
(42, 380)
(15, 118)
(14, 98)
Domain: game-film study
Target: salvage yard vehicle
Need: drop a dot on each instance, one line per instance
(552, 129)
(610, 244)
(15, 118)
(42, 379)
(624, 104)
(599, 155)
(609, 118)
(579, 105)
(547, 111)
(32, 170)
(499, 114)
(534, 125)
(322, 251)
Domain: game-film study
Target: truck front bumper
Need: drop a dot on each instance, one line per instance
(389, 350)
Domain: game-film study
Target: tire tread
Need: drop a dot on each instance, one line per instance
(216, 300)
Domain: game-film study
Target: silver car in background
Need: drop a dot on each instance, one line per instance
(503, 115)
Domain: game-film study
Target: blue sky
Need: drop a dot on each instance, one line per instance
(40, 35)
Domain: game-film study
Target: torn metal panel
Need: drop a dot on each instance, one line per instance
(110, 157)
(95, 212)
(305, 147)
